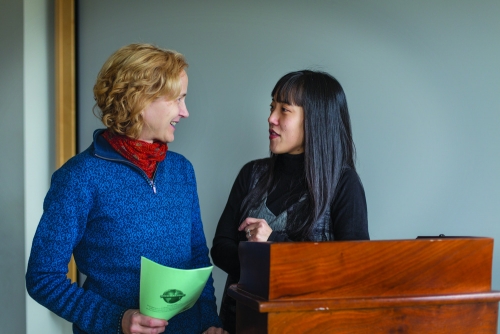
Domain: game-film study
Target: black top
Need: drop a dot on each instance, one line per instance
(348, 212)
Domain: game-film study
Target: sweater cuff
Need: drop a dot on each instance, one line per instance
(120, 329)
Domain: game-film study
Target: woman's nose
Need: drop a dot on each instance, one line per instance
(183, 111)
(272, 119)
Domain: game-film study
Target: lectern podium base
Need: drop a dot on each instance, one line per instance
(452, 314)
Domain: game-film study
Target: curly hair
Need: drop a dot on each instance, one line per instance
(132, 78)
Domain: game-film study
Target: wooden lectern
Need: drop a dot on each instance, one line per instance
(434, 285)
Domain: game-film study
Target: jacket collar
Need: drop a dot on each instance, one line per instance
(103, 149)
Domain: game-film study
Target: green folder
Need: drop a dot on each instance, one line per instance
(165, 291)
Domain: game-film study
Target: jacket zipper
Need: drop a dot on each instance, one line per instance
(148, 180)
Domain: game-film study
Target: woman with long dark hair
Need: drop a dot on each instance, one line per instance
(307, 190)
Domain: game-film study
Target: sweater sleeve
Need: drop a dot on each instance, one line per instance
(348, 212)
(206, 302)
(62, 225)
(227, 237)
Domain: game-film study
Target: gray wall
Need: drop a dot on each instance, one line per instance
(27, 145)
(422, 80)
(12, 318)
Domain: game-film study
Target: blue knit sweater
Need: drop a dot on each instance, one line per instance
(105, 211)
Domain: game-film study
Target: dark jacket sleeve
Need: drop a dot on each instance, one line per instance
(227, 237)
(348, 212)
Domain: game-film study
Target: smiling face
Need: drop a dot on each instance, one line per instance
(161, 116)
(286, 128)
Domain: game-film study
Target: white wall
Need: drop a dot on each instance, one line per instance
(39, 139)
(26, 139)
(11, 177)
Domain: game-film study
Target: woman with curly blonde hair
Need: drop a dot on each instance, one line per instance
(124, 197)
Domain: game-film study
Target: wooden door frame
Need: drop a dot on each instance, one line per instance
(65, 90)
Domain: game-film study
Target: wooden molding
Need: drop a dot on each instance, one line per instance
(65, 90)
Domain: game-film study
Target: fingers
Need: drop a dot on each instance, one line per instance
(255, 229)
(249, 234)
(248, 225)
(249, 221)
(133, 322)
(149, 322)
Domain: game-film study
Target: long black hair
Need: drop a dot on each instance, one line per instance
(328, 146)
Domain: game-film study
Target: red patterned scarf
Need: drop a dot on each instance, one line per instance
(142, 154)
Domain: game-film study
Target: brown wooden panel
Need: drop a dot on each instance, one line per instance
(298, 305)
(351, 269)
(398, 286)
(65, 80)
(65, 90)
(438, 319)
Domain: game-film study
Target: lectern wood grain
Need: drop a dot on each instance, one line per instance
(449, 319)
(397, 286)
(367, 268)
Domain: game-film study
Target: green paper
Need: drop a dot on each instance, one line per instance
(167, 291)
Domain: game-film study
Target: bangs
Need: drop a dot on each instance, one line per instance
(289, 90)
